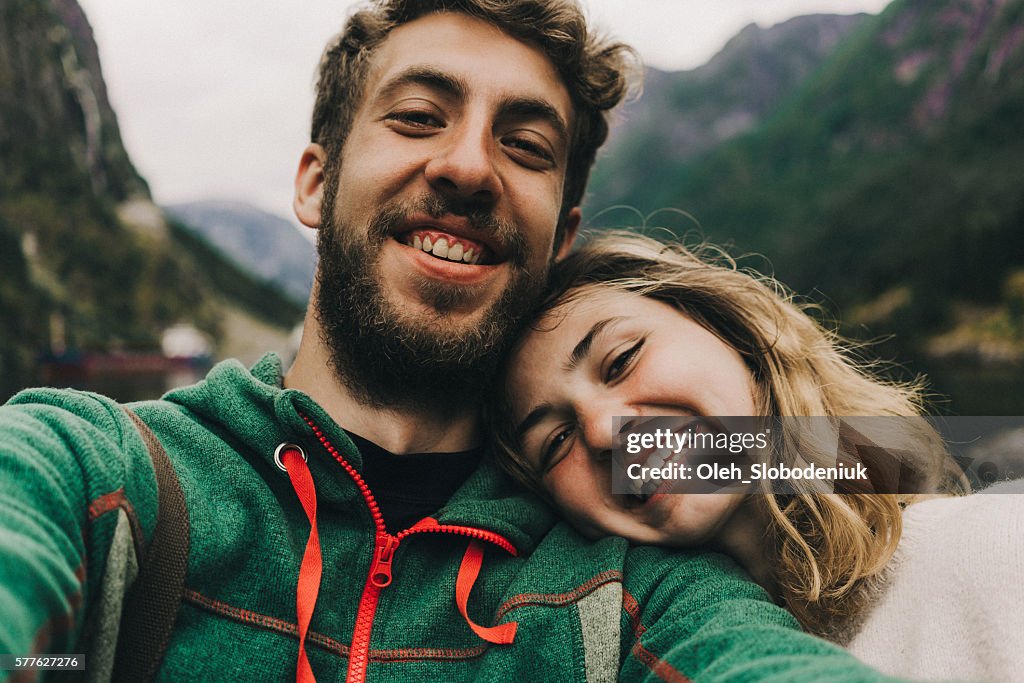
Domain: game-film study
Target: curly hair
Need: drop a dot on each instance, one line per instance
(594, 70)
(826, 547)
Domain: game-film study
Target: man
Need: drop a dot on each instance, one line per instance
(452, 141)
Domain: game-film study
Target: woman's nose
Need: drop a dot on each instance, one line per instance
(599, 426)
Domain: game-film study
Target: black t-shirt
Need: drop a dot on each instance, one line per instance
(413, 486)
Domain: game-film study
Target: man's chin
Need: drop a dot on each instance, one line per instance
(445, 310)
(435, 326)
(416, 351)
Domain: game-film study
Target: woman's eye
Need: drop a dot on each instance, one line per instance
(622, 361)
(556, 449)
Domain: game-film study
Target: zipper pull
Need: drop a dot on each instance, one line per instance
(380, 574)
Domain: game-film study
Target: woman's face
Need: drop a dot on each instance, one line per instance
(612, 353)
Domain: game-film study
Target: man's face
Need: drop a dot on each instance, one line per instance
(439, 230)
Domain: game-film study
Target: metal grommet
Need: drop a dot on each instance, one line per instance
(280, 451)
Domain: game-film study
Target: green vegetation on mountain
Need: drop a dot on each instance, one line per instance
(888, 182)
(683, 115)
(262, 243)
(23, 306)
(232, 280)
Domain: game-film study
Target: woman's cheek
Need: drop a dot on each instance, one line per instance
(578, 497)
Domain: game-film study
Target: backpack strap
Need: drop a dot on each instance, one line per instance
(151, 605)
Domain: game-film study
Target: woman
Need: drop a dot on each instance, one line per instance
(636, 327)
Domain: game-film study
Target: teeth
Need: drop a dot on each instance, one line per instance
(442, 249)
(658, 458)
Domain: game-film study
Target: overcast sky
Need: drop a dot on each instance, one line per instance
(213, 96)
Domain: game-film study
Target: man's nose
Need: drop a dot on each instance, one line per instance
(464, 168)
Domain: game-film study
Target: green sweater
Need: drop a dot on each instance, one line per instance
(78, 495)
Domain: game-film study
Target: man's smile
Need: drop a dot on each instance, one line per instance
(439, 262)
(444, 246)
(461, 250)
(453, 238)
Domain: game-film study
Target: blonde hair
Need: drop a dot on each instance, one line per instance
(826, 546)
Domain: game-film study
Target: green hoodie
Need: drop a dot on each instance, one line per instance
(78, 503)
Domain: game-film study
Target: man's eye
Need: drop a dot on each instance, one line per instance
(527, 147)
(622, 361)
(556, 449)
(415, 120)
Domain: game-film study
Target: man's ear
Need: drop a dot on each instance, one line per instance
(309, 185)
(572, 227)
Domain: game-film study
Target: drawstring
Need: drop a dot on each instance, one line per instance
(503, 634)
(292, 460)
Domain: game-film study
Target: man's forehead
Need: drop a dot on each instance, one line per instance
(474, 51)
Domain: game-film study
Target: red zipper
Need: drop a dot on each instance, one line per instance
(430, 525)
(385, 546)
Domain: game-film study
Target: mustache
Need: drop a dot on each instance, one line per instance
(505, 233)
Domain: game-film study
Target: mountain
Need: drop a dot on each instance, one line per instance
(681, 115)
(59, 132)
(266, 245)
(886, 182)
(89, 263)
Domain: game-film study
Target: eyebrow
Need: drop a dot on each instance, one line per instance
(428, 77)
(535, 108)
(582, 348)
(536, 416)
(579, 353)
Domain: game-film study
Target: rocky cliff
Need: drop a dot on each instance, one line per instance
(88, 262)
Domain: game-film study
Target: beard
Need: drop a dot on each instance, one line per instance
(424, 362)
